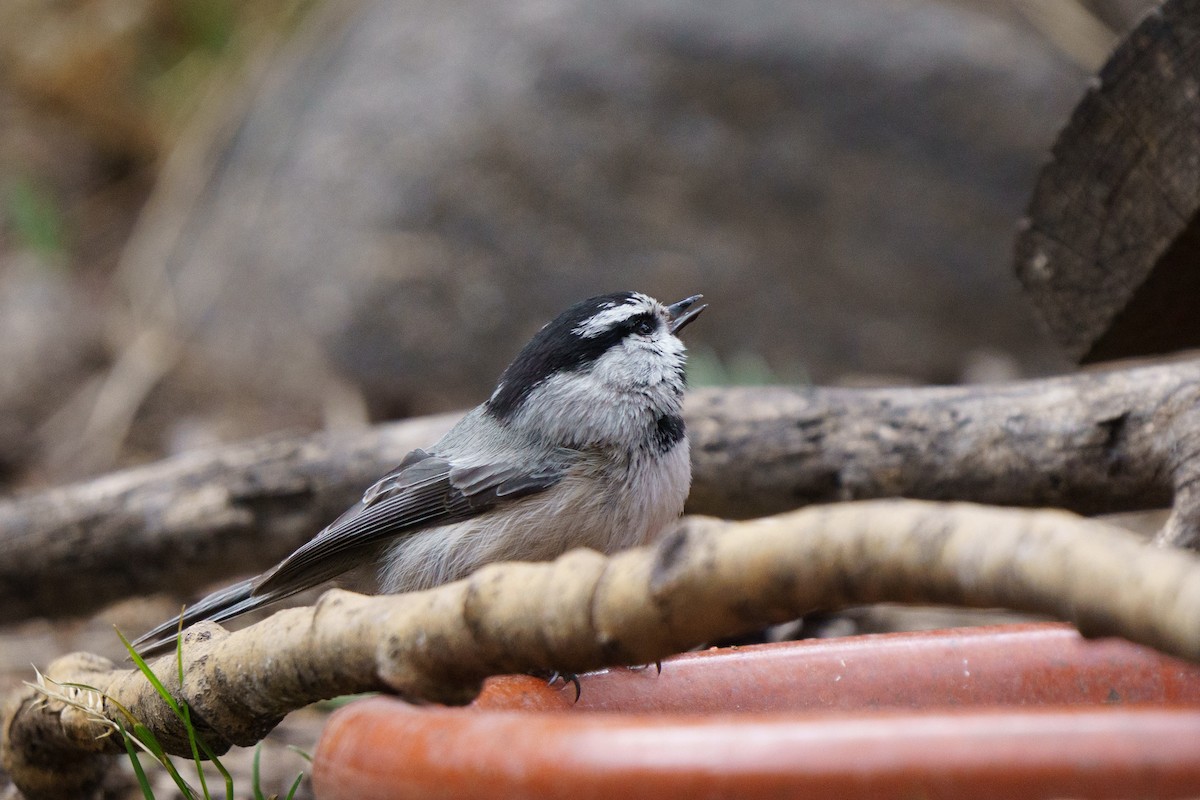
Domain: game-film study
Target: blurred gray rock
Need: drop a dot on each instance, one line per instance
(418, 185)
(49, 337)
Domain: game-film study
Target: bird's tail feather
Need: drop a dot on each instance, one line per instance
(217, 607)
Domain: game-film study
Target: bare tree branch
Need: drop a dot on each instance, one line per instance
(706, 579)
(1116, 440)
(1093, 442)
(188, 521)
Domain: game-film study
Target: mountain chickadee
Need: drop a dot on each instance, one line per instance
(581, 444)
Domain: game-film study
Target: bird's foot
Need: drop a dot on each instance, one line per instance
(566, 678)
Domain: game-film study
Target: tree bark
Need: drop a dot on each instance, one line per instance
(1094, 442)
(704, 580)
(1109, 251)
(186, 522)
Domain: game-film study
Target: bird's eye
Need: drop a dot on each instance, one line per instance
(645, 327)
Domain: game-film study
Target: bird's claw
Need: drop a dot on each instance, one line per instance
(567, 677)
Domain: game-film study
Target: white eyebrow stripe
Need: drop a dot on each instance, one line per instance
(603, 320)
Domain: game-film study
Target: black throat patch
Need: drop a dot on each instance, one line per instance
(669, 430)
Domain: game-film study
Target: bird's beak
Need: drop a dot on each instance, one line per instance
(680, 316)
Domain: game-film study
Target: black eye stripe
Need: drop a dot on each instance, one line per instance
(640, 323)
(559, 347)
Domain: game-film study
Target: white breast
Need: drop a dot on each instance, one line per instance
(601, 506)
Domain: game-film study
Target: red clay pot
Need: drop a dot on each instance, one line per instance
(1005, 712)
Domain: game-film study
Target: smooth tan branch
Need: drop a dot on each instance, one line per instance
(706, 579)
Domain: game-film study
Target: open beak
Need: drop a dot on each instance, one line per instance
(681, 316)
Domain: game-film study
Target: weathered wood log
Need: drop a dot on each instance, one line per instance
(187, 521)
(1115, 440)
(1110, 250)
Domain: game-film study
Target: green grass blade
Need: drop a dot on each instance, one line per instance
(144, 668)
(334, 703)
(194, 740)
(146, 737)
(256, 775)
(198, 742)
(295, 785)
(216, 762)
(194, 744)
(143, 781)
(183, 713)
(300, 752)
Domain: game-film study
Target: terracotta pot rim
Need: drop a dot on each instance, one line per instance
(1017, 755)
(826, 719)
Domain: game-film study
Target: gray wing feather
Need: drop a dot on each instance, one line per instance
(425, 494)
(423, 491)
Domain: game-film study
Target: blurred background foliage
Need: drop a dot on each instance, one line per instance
(498, 164)
(93, 93)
